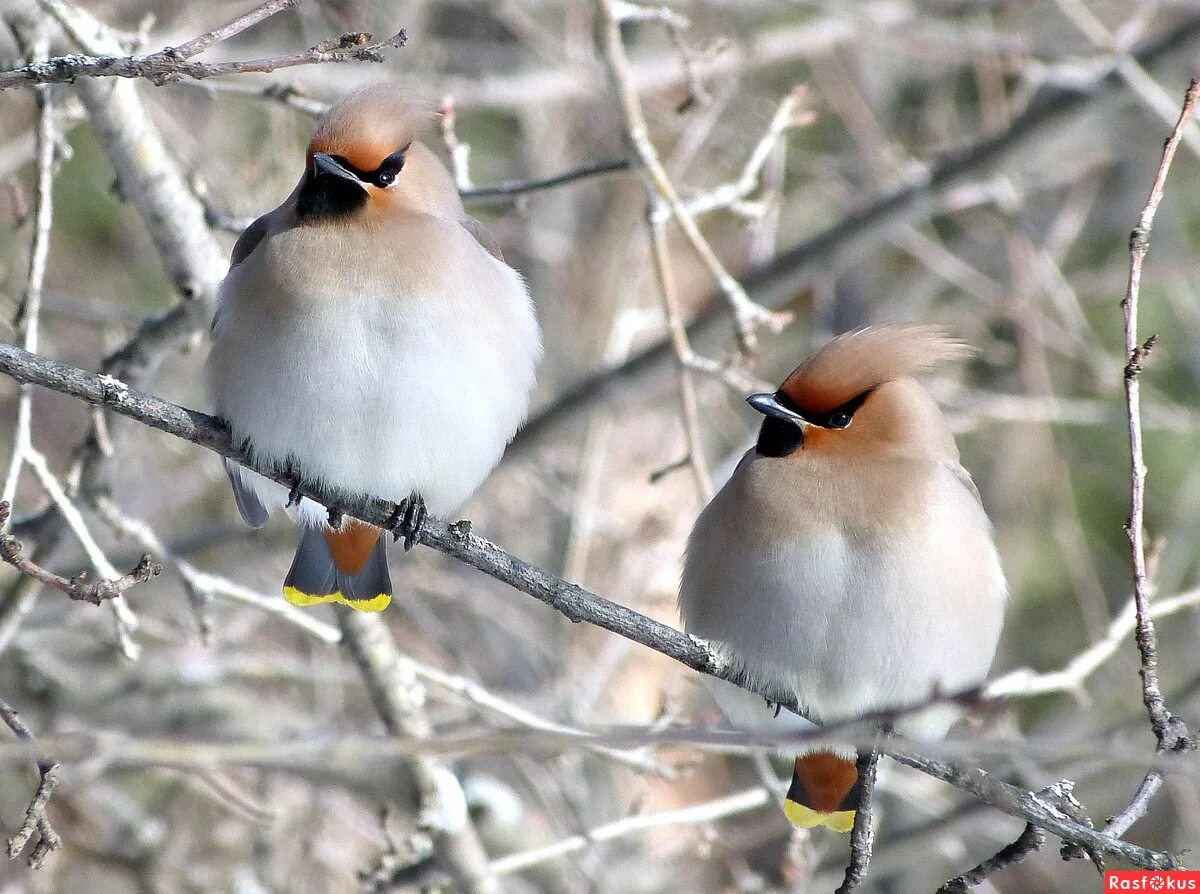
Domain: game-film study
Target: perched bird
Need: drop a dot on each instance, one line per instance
(848, 560)
(369, 336)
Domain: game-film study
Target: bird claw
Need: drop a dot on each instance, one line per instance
(778, 706)
(407, 520)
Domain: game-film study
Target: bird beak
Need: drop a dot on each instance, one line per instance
(325, 165)
(769, 405)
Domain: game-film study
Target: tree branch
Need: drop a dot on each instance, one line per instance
(576, 603)
(172, 63)
(1170, 732)
(36, 819)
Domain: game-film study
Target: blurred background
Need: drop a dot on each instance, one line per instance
(978, 163)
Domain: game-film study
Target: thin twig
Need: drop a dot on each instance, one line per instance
(748, 315)
(36, 819)
(29, 314)
(689, 406)
(1030, 840)
(75, 587)
(751, 799)
(399, 699)
(164, 66)
(459, 152)
(510, 189)
(1025, 683)
(1168, 729)
(862, 835)
(1170, 732)
(202, 42)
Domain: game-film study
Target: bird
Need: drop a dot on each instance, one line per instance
(370, 337)
(848, 560)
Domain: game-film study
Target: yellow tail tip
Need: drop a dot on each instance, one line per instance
(304, 600)
(807, 818)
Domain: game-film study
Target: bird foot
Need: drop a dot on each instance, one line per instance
(408, 519)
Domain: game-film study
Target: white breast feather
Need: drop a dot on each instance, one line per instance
(377, 388)
(852, 627)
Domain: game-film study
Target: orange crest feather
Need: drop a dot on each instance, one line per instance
(369, 124)
(863, 359)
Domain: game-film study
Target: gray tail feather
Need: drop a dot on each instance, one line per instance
(313, 572)
(314, 576)
(254, 513)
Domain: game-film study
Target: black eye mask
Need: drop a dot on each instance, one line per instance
(384, 175)
(777, 437)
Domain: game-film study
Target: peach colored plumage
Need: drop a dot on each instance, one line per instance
(848, 559)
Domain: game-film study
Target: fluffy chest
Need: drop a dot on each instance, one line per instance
(820, 585)
(387, 385)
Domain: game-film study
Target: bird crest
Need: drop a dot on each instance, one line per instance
(855, 362)
(368, 125)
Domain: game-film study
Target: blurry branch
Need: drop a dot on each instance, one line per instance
(1030, 840)
(747, 315)
(33, 37)
(571, 600)
(509, 189)
(732, 195)
(1025, 683)
(1134, 74)
(172, 63)
(399, 699)
(862, 835)
(751, 799)
(36, 819)
(29, 311)
(480, 697)
(459, 152)
(76, 587)
(1170, 731)
(201, 586)
(777, 282)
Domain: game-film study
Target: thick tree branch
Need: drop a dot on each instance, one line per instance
(576, 603)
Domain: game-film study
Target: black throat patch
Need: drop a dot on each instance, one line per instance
(329, 196)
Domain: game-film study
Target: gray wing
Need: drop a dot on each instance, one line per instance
(253, 512)
(482, 236)
(243, 248)
(964, 478)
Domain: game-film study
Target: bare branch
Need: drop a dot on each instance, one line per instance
(1169, 730)
(36, 821)
(862, 836)
(751, 799)
(576, 603)
(748, 316)
(76, 587)
(1030, 840)
(169, 65)
(399, 699)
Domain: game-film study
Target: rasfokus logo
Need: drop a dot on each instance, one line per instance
(1141, 880)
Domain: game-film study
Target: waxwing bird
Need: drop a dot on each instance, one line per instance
(369, 335)
(848, 559)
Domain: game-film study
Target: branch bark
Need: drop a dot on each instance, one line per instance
(576, 603)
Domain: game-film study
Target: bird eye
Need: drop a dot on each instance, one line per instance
(839, 419)
(385, 178)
